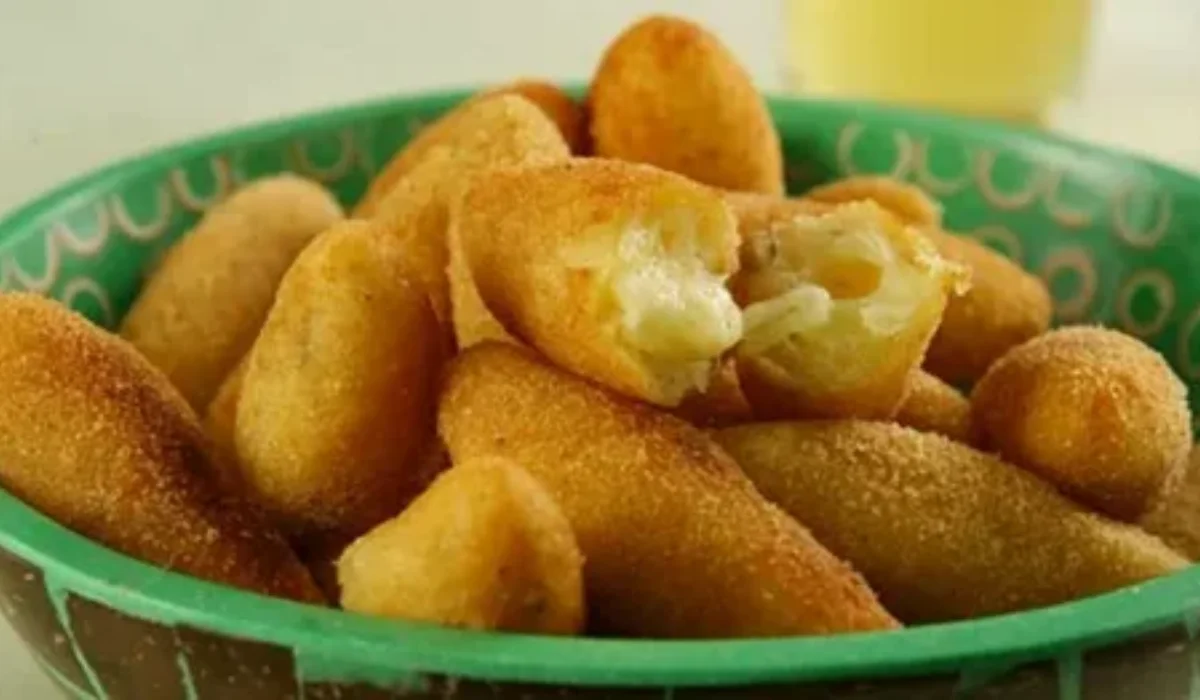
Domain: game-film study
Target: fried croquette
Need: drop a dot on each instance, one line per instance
(1175, 514)
(942, 532)
(908, 203)
(201, 308)
(94, 436)
(500, 131)
(219, 422)
(614, 270)
(1004, 307)
(838, 311)
(1096, 412)
(677, 542)
(759, 212)
(559, 108)
(934, 406)
(669, 93)
(485, 548)
(337, 404)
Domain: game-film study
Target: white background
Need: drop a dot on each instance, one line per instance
(86, 81)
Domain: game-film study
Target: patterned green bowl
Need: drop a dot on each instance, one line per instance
(1109, 233)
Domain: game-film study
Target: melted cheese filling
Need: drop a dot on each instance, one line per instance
(832, 280)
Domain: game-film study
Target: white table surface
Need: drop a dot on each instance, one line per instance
(82, 82)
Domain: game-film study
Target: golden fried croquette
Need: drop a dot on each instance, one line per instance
(838, 310)
(485, 548)
(560, 110)
(337, 405)
(934, 406)
(759, 212)
(201, 308)
(669, 93)
(1004, 307)
(676, 541)
(219, 425)
(940, 530)
(1096, 412)
(94, 436)
(614, 270)
(908, 203)
(721, 403)
(500, 131)
(1175, 514)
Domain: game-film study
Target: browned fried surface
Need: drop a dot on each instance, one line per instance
(200, 310)
(907, 202)
(484, 548)
(94, 437)
(936, 407)
(219, 425)
(1094, 411)
(561, 108)
(1004, 307)
(1175, 515)
(449, 130)
(337, 405)
(522, 228)
(941, 531)
(677, 542)
(499, 131)
(668, 93)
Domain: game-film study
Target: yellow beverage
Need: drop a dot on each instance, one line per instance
(1009, 59)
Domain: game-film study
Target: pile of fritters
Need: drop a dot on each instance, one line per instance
(567, 370)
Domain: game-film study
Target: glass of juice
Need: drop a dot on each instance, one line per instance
(1004, 59)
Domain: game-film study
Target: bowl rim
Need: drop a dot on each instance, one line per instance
(345, 646)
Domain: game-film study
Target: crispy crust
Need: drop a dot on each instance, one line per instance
(499, 131)
(561, 108)
(565, 113)
(943, 532)
(201, 308)
(96, 438)
(520, 230)
(677, 542)
(337, 404)
(484, 548)
(934, 406)
(1096, 412)
(668, 93)
(1004, 307)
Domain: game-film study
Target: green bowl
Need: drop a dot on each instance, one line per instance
(1111, 234)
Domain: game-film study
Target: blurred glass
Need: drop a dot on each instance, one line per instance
(1005, 59)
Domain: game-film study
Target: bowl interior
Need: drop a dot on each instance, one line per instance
(1110, 234)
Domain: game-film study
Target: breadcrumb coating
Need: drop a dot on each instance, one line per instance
(95, 437)
(202, 306)
(942, 532)
(1094, 411)
(677, 541)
